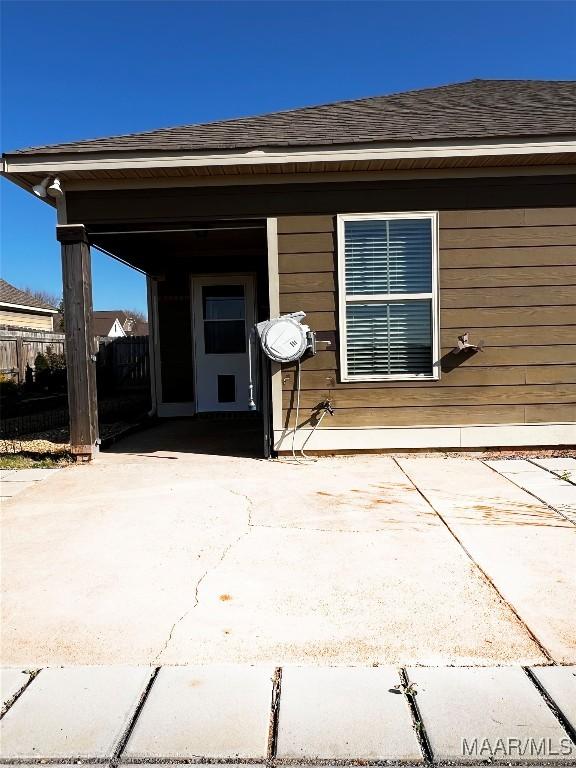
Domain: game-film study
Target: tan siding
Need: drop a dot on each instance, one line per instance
(506, 236)
(303, 224)
(509, 316)
(307, 282)
(484, 277)
(526, 296)
(507, 276)
(422, 417)
(512, 217)
(434, 397)
(526, 256)
(308, 302)
(26, 320)
(306, 243)
(306, 262)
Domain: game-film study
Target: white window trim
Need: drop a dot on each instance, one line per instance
(343, 300)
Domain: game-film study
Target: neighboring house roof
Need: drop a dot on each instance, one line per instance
(477, 109)
(137, 328)
(12, 296)
(103, 321)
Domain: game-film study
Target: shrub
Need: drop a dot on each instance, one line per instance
(50, 370)
(8, 387)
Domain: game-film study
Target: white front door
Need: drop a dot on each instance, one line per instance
(223, 314)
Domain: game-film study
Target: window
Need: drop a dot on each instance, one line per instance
(224, 314)
(388, 296)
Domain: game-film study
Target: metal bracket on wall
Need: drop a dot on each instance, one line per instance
(465, 346)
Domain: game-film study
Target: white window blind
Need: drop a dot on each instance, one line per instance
(388, 302)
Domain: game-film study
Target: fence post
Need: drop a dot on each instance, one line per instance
(20, 362)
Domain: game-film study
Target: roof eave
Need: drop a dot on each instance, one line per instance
(36, 310)
(51, 163)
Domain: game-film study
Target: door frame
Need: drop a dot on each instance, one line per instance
(223, 278)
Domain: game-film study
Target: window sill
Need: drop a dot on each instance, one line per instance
(375, 379)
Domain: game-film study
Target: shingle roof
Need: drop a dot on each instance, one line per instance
(477, 109)
(9, 294)
(103, 320)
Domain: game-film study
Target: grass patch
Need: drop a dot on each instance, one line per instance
(34, 461)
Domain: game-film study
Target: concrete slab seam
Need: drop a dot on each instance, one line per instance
(417, 721)
(551, 704)
(486, 577)
(123, 740)
(554, 472)
(10, 703)
(539, 498)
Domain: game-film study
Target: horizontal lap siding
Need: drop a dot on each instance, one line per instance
(508, 276)
(25, 320)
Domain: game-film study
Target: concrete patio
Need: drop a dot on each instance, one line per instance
(158, 555)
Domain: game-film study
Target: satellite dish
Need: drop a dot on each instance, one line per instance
(284, 339)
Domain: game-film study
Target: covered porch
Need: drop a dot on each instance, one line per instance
(208, 283)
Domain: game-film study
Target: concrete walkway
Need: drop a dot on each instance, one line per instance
(158, 555)
(262, 714)
(14, 481)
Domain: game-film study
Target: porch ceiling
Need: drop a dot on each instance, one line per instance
(156, 249)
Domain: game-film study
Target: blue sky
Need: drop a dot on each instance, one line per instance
(73, 70)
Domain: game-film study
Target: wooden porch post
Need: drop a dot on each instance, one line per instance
(80, 343)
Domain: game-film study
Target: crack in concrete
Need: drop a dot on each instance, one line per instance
(211, 568)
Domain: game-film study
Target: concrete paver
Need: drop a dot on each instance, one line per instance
(482, 713)
(527, 549)
(560, 684)
(72, 712)
(338, 713)
(11, 681)
(217, 711)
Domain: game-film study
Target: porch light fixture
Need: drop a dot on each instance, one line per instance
(55, 190)
(45, 188)
(40, 189)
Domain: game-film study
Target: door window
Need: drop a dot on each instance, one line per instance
(224, 317)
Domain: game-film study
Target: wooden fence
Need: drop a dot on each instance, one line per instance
(125, 362)
(20, 348)
(123, 373)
